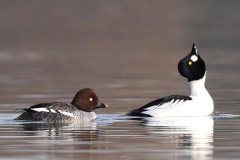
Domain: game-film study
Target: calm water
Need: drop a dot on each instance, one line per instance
(127, 51)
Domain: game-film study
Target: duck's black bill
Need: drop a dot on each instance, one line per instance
(102, 105)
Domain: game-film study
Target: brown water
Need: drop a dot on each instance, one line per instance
(127, 51)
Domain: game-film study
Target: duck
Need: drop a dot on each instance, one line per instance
(198, 103)
(81, 109)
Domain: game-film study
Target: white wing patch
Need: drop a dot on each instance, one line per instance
(66, 113)
(159, 106)
(53, 111)
(165, 105)
(175, 103)
(40, 109)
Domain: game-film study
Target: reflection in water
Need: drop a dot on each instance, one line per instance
(81, 132)
(193, 134)
(48, 140)
(118, 136)
(66, 137)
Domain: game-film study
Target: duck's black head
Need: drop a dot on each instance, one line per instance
(86, 100)
(192, 66)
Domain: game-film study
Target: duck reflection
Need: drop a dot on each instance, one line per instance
(54, 139)
(193, 135)
(83, 131)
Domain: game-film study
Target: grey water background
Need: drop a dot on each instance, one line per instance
(127, 51)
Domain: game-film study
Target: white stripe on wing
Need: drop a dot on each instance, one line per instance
(40, 109)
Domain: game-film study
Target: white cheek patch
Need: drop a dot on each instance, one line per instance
(194, 58)
(40, 109)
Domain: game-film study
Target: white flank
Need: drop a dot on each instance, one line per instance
(200, 105)
(40, 109)
(66, 113)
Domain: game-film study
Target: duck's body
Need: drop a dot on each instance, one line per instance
(56, 112)
(199, 103)
(81, 109)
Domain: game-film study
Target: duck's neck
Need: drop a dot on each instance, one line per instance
(197, 87)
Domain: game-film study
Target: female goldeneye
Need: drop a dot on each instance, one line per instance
(81, 109)
(199, 103)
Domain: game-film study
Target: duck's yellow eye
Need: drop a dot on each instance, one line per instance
(189, 63)
(91, 99)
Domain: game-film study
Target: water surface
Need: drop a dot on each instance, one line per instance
(119, 136)
(127, 51)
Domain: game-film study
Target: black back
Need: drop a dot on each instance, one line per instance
(40, 105)
(159, 102)
(32, 115)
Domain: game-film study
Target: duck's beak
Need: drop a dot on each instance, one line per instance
(101, 105)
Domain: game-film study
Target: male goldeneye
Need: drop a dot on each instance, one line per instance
(81, 109)
(199, 103)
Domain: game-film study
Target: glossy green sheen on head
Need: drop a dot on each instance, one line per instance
(192, 66)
